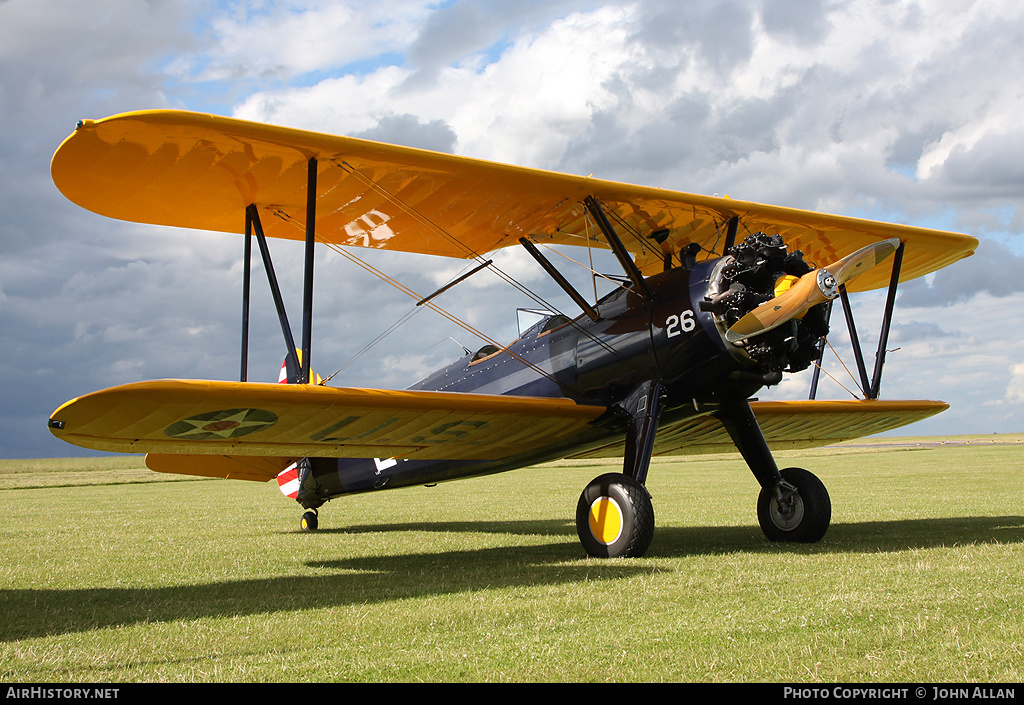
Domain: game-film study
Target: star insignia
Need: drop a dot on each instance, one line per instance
(228, 423)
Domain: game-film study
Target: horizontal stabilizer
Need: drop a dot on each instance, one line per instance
(229, 467)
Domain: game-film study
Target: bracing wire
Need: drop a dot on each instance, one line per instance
(366, 348)
(841, 362)
(590, 269)
(430, 304)
(834, 379)
(451, 317)
(471, 253)
(590, 253)
(369, 183)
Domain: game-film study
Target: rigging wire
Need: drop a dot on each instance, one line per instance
(590, 252)
(348, 168)
(430, 304)
(834, 352)
(644, 246)
(591, 269)
(366, 348)
(344, 165)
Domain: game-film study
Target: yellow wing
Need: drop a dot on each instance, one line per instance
(201, 171)
(788, 425)
(286, 420)
(251, 431)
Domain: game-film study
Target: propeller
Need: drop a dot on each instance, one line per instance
(813, 288)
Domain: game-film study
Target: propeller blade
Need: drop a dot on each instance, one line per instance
(853, 265)
(813, 288)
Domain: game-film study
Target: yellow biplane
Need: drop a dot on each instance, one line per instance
(719, 299)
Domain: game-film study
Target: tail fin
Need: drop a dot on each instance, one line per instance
(288, 481)
(290, 373)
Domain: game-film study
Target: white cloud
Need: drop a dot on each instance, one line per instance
(899, 110)
(1015, 387)
(287, 39)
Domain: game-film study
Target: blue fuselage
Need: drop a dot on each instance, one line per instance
(665, 338)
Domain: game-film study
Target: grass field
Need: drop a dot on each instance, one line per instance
(112, 573)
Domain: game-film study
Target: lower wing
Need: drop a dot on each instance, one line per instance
(787, 425)
(251, 431)
(291, 420)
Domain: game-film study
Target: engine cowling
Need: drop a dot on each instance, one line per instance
(753, 272)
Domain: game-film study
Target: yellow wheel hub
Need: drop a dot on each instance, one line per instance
(605, 520)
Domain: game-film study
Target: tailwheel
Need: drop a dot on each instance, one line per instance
(797, 510)
(615, 517)
(309, 521)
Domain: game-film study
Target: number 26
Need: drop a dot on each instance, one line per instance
(683, 323)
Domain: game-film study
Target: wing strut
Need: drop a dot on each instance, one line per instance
(730, 235)
(858, 353)
(559, 279)
(298, 366)
(870, 387)
(307, 280)
(621, 253)
(890, 303)
(452, 283)
(246, 279)
(821, 351)
(252, 216)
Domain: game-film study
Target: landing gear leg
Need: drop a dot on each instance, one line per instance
(307, 492)
(793, 504)
(614, 515)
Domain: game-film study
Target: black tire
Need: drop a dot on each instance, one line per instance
(309, 521)
(623, 524)
(802, 516)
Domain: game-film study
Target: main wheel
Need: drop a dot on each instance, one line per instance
(615, 517)
(802, 513)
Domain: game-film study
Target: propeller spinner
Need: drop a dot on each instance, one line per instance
(813, 288)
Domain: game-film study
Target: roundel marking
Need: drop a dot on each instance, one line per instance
(605, 520)
(227, 423)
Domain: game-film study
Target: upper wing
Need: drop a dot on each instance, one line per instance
(201, 171)
(290, 420)
(787, 425)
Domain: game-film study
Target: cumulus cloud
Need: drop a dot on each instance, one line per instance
(896, 110)
(407, 130)
(1015, 387)
(281, 41)
(994, 269)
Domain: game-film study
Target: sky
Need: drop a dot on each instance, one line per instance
(887, 109)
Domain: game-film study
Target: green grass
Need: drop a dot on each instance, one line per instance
(123, 576)
(69, 472)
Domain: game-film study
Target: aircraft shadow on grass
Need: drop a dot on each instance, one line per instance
(30, 613)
